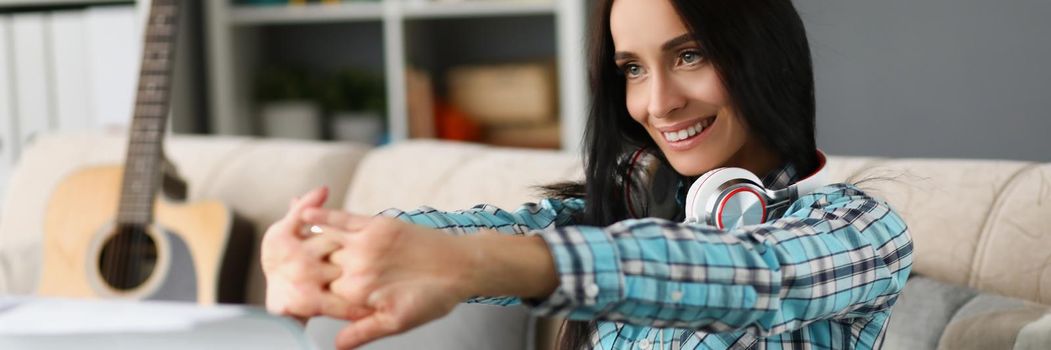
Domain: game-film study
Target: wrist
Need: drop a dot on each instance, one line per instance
(505, 265)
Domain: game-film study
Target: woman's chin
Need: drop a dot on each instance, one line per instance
(689, 167)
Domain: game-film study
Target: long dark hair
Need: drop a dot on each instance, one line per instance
(760, 51)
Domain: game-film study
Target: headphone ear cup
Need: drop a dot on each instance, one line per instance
(706, 190)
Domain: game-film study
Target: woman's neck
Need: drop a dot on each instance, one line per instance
(755, 157)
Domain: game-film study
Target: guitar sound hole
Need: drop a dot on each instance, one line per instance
(128, 258)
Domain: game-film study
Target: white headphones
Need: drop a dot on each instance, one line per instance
(732, 197)
(725, 197)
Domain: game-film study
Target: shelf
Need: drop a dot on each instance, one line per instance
(477, 8)
(310, 13)
(373, 11)
(44, 3)
(390, 25)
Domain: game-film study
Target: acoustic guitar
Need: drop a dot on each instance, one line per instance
(123, 231)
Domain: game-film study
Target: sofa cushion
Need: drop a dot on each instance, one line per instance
(922, 311)
(934, 315)
(994, 322)
(449, 175)
(1014, 254)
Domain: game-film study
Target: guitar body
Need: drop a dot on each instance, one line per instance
(201, 249)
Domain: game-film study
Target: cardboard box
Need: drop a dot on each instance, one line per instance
(546, 135)
(509, 94)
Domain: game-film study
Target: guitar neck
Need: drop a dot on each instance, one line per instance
(145, 154)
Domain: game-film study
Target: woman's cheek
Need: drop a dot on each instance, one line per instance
(636, 104)
(711, 88)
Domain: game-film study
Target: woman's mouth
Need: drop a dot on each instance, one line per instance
(689, 133)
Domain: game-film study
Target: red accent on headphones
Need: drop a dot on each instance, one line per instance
(726, 199)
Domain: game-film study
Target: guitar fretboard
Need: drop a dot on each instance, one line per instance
(145, 156)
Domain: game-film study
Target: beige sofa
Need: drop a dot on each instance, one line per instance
(982, 228)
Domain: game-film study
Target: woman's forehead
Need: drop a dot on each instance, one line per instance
(638, 25)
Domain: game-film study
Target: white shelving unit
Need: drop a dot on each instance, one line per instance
(39, 3)
(233, 32)
(65, 65)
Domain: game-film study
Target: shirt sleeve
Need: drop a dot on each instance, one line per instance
(836, 253)
(530, 218)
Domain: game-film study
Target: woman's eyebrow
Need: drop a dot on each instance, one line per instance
(622, 55)
(667, 46)
(674, 42)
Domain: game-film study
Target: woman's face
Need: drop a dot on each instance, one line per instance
(674, 92)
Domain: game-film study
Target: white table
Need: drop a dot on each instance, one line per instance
(37, 323)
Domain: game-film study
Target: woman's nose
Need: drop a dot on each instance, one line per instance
(665, 97)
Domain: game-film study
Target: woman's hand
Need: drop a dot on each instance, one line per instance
(407, 274)
(296, 267)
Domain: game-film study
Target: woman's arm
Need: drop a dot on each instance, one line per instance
(837, 254)
(511, 265)
(529, 217)
(544, 214)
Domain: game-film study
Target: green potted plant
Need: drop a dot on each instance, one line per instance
(288, 104)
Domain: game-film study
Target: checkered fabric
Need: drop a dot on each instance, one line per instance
(823, 276)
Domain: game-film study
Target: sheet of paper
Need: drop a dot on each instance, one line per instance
(45, 316)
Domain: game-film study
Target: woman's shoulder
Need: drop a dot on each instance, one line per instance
(847, 203)
(839, 193)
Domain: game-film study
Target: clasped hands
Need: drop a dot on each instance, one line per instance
(384, 275)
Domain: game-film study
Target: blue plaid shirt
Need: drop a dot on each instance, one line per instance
(823, 276)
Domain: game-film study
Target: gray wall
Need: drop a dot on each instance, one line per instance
(932, 78)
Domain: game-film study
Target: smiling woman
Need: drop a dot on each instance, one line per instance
(750, 79)
(681, 89)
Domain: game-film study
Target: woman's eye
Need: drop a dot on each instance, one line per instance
(690, 57)
(632, 70)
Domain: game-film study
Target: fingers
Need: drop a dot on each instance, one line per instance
(365, 330)
(290, 224)
(314, 198)
(287, 299)
(310, 264)
(338, 307)
(353, 289)
(319, 246)
(335, 218)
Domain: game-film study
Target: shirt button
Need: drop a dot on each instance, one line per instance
(591, 290)
(645, 344)
(676, 295)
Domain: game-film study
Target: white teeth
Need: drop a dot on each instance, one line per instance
(673, 136)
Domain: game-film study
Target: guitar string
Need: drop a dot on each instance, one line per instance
(166, 48)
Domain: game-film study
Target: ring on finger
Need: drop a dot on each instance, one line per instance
(310, 230)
